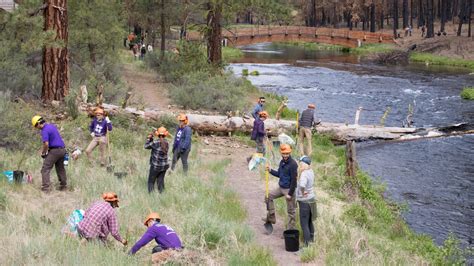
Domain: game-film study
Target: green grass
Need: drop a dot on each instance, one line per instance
(372, 48)
(231, 53)
(312, 45)
(206, 214)
(441, 60)
(468, 93)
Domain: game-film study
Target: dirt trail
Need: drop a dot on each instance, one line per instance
(251, 190)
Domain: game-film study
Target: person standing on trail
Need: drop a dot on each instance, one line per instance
(258, 132)
(100, 220)
(99, 128)
(306, 199)
(182, 143)
(258, 107)
(287, 173)
(53, 152)
(306, 122)
(166, 238)
(158, 159)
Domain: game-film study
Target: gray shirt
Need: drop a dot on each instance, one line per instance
(306, 181)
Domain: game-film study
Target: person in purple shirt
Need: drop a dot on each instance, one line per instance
(53, 152)
(165, 236)
(99, 127)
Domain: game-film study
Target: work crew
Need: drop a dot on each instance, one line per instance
(53, 152)
(158, 159)
(258, 107)
(306, 199)
(99, 128)
(100, 220)
(166, 238)
(306, 122)
(182, 143)
(287, 173)
(258, 131)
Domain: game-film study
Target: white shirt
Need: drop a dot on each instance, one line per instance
(306, 181)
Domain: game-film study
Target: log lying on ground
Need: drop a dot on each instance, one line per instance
(339, 132)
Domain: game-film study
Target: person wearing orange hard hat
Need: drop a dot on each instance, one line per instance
(100, 220)
(99, 128)
(158, 160)
(287, 173)
(166, 238)
(306, 123)
(182, 143)
(258, 132)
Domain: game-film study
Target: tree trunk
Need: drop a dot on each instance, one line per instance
(430, 19)
(395, 18)
(411, 13)
(372, 17)
(470, 15)
(214, 35)
(55, 59)
(405, 14)
(312, 16)
(461, 16)
(443, 15)
(382, 15)
(323, 19)
(163, 30)
(421, 14)
(449, 5)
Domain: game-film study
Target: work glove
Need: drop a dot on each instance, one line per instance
(43, 155)
(124, 242)
(107, 120)
(92, 134)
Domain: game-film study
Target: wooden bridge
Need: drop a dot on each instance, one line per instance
(343, 37)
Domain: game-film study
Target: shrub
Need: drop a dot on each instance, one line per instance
(221, 93)
(468, 93)
(358, 214)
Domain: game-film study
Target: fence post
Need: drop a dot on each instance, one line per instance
(351, 162)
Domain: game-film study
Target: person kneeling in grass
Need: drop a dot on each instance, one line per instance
(166, 238)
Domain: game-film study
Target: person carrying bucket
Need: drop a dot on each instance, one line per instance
(306, 122)
(100, 220)
(53, 152)
(306, 199)
(182, 143)
(99, 128)
(287, 173)
(166, 238)
(158, 159)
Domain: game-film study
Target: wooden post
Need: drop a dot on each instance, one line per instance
(351, 162)
(357, 116)
(125, 101)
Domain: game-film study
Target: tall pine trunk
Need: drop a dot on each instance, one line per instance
(372, 17)
(395, 18)
(382, 15)
(163, 29)
(470, 15)
(214, 35)
(405, 14)
(312, 14)
(55, 59)
(430, 19)
(443, 15)
(462, 11)
(421, 14)
(411, 13)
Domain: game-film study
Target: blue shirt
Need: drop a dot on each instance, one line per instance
(258, 108)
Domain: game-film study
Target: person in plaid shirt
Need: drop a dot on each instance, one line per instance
(158, 159)
(100, 220)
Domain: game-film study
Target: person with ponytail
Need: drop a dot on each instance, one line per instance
(158, 159)
(306, 199)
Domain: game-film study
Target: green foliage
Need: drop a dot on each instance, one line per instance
(312, 45)
(273, 101)
(221, 93)
(358, 214)
(373, 48)
(231, 53)
(71, 104)
(431, 59)
(468, 93)
(251, 255)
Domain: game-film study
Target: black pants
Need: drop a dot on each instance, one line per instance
(183, 155)
(157, 175)
(306, 221)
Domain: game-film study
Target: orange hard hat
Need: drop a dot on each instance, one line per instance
(285, 148)
(263, 114)
(183, 117)
(99, 110)
(153, 215)
(110, 197)
(161, 131)
(312, 106)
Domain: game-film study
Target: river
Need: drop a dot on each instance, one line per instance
(433, 177)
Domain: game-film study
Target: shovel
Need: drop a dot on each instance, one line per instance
(110, 167)
(268, 226)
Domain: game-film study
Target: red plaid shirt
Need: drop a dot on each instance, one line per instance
(100, 220)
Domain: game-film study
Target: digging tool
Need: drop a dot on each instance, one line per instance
(268, 225)
(110, 167)
(297, 129)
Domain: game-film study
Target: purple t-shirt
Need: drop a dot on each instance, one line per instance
(50, 133)
(100, 128)
(164, 235)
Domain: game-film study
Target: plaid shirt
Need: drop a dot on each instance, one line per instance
(100, 220)
(158, 158)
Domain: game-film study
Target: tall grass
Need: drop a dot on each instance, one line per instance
(441, 60)
(205, 213)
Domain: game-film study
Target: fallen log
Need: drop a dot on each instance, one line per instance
(339, 132)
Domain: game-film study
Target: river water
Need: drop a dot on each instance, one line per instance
(435, 177)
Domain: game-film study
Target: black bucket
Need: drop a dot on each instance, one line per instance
(292, 240)
(18, 176)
